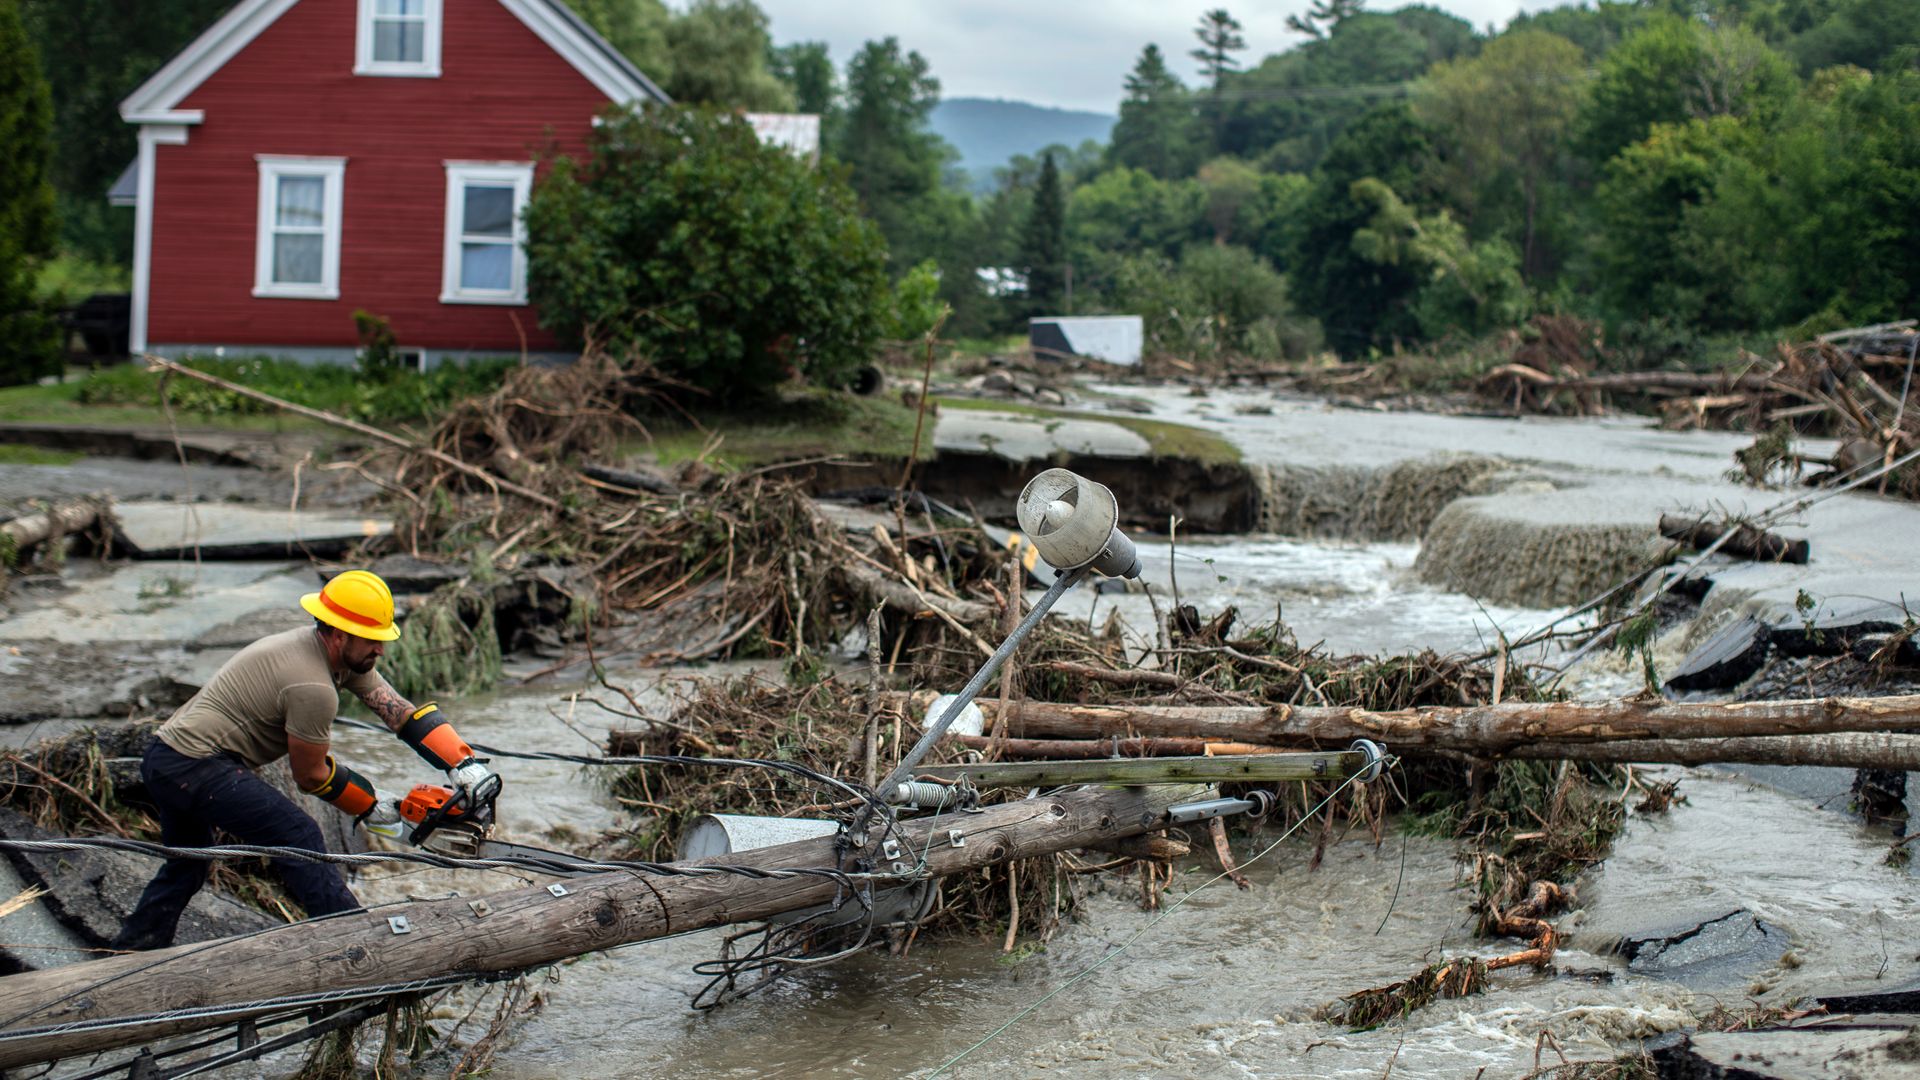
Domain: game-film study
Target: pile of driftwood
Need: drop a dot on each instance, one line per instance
(1855, 385)
(693, 565)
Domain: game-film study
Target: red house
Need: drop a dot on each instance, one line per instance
(306, 158)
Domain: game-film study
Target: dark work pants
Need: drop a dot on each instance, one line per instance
(196, 795)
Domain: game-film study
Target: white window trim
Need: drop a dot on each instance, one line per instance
(460, 174)
(272, 168)
(428, 66)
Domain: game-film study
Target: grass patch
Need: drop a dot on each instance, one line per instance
(15, 454)
(1167, 440)
(812, 423)
(128, 395)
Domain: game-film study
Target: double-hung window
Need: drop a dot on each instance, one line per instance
(297, 241)
(398, 37)
(485, 260)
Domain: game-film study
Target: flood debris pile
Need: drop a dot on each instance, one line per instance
(1529, 826)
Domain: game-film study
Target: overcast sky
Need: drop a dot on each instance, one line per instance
(1072, 54)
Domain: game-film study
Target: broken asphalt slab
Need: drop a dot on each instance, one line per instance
(1884, 1050)
(1021, 437)
(1718, 951)
(163, 530)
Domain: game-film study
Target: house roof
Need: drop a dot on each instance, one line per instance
(158, 99)
(126, 190)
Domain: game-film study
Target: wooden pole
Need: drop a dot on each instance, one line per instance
(1477, 729)
(359, 428)
(516, 929)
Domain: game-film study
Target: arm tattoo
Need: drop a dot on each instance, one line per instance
(388, 705)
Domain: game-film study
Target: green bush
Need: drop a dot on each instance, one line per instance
(29, 339)
(722, 261)
(917, 307)
(1219, 300)
(333, 387)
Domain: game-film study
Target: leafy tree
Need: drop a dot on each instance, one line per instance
(1285, 112)
(1127, 211)
(719, 50)
(1865, 33)
(1044, 243)
(105, 50)
(1232, 188)
(1647, 202)
(1156, 129)
(808, 72)
(1362, 304)
(637, 28)
(1595, 29)
(1505, 115)
(1217, 300)
(1673, 69)
(728, 263)
(1468, 289)
(28, 343)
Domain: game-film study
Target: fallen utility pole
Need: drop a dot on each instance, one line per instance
(513, 930)
(1489, 730)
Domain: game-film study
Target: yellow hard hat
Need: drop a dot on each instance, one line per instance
(357, 602)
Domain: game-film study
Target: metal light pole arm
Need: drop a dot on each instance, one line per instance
(974, 685)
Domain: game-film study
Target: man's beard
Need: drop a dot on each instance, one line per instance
(364, 665)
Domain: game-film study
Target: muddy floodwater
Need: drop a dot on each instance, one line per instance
(1759, 888)
(1227, 983)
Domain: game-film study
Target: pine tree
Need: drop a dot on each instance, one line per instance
(1219, 35)
(1155, 131)
(1330, 12)
(28, 341)
(1043, 246)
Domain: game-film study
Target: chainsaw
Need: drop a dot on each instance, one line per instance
(460, 823)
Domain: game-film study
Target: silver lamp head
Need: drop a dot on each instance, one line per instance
(1073, 522)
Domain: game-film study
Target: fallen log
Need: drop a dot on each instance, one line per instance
(1746, 541)
(510, 931)
(1489, 730)
(1677, 381)
(909, 601)
(1847, 750)
(1252, 769)
(60, 519)
(1081, 749)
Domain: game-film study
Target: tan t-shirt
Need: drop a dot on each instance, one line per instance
(275, 687)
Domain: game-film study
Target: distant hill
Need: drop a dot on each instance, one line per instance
(988, 132)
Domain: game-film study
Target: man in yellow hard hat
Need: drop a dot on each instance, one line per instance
(276, 698)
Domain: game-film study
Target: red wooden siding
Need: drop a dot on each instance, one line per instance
(502, 95)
